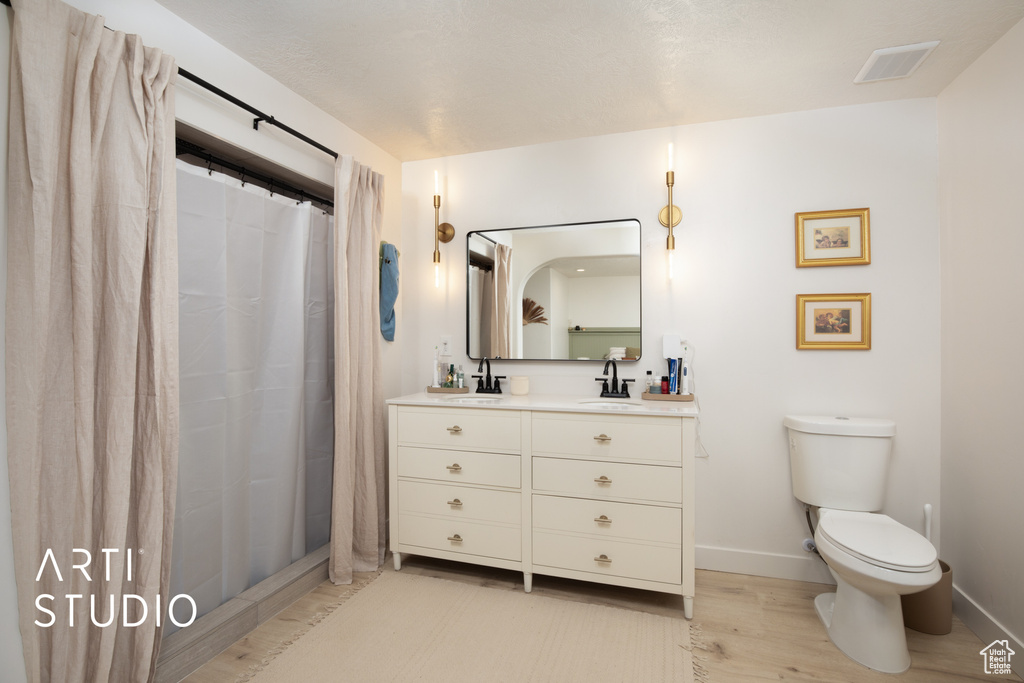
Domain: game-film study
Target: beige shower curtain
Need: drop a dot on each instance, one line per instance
(501, 320)
(92, 375)
(357, 519)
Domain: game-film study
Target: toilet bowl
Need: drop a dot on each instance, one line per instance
(874, 560)
(839, 467)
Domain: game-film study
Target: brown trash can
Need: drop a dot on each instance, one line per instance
(931, 610)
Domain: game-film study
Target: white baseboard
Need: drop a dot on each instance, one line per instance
(986, 627)
(808, 567)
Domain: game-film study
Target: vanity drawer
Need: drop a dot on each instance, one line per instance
(459, 467)
(457, 536)
(620, 558)
(612, 437)
(463, 428)
(607, 519)
(597, 479)
(459, 502)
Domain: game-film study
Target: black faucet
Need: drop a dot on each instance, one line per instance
(615, 391)
(483, 384)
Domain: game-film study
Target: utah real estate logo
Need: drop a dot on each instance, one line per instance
(997, 657)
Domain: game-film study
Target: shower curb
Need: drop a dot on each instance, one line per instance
(184, 651)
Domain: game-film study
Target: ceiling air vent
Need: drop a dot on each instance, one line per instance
(894, 62)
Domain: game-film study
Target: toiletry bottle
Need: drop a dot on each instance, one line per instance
(436, 380)
(649, 383)
(449, 380)
(460, 378)
(664, 384)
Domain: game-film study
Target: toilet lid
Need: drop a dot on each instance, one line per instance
(878, 539)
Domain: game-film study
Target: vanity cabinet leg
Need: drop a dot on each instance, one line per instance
(527, 582)
(398, 561)
(688, 606)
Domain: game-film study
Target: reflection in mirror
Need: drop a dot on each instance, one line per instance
(555, 292)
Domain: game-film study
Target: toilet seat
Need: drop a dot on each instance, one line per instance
(878, 540)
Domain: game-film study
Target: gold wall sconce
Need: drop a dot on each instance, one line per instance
(443, 232)
(670, 215)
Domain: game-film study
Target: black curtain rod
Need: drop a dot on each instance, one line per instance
(192, 149)
(260, 116)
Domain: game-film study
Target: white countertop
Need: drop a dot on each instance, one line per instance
(552, 402)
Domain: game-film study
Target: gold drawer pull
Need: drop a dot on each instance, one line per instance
(603, 480)
(454, 468)
(455, 539)
(455, 503)
(604, 559)
(455, 430)
(602, 437)
(603, 519)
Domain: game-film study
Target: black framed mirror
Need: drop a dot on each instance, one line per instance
(555, 292)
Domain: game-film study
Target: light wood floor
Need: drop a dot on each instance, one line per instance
(754, 629)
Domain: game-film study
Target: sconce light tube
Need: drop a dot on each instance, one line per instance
(670, 215)
(443, 232)
(437, 235)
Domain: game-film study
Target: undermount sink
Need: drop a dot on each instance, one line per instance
(611, 405)
(477, 400)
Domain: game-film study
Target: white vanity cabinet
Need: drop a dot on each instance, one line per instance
(544, 485)
(456, 484)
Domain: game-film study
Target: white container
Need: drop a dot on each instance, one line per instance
(520, 385)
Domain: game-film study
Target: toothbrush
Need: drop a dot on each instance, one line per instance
(686, 369)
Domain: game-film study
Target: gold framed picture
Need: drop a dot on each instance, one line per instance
(833, 238)
(840, 322)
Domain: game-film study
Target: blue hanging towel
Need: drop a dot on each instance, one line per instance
(388, 289)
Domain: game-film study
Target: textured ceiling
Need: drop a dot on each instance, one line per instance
(431, 78)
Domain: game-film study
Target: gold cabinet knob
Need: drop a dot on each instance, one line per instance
(603, 559)
(455, 467)
(455, 503)
(455, 539)
(603, 519)
(455, 430)
(603, 480)
(602, 437)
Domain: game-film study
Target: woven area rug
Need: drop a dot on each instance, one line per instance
(403, 627)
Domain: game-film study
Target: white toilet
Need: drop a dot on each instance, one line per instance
(840, 466)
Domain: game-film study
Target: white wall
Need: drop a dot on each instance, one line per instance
(202, 56)
(537, 337)
(738, 184)
(604, 301)
(981, 143)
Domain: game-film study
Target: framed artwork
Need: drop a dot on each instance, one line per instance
(840, 322)
(833, 238)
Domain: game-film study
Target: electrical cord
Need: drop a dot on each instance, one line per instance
(696, 402)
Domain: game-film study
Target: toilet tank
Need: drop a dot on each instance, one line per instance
(840, 462)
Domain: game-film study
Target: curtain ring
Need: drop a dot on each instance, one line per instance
(243, 178)
(209, 166)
